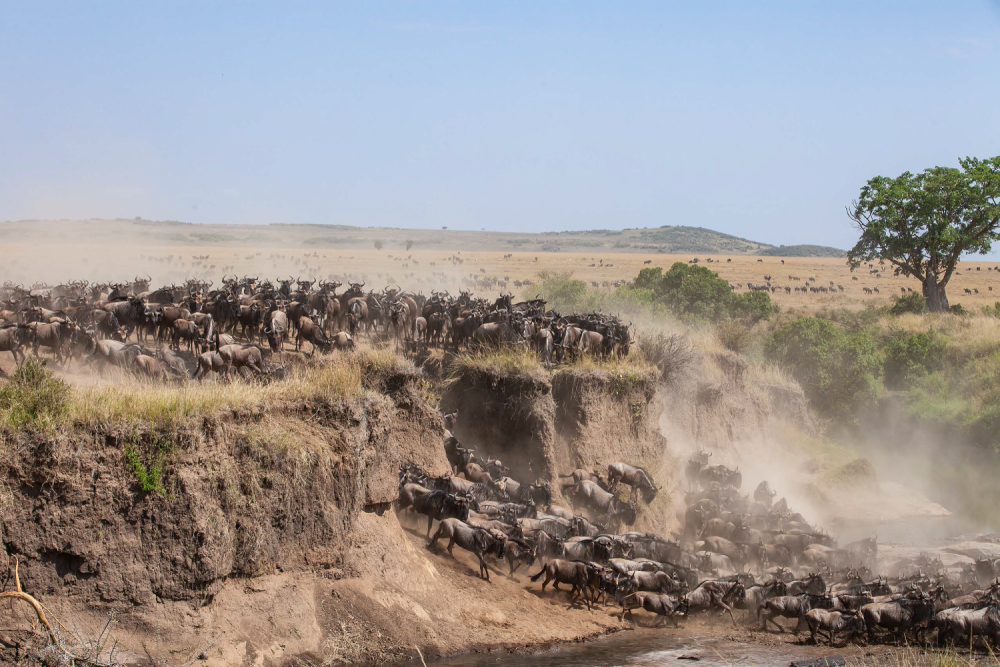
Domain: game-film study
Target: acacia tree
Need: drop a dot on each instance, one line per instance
(923, 223)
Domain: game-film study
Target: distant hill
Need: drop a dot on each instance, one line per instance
(665, 240)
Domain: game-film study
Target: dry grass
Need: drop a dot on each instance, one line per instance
(495, 361)
(160, 406)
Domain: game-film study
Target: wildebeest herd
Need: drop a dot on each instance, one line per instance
(734, 554)
(190, 330)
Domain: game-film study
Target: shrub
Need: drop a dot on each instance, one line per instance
(911, 302)
(695, 292)
(378, 245)
(958, 309)
(671, 355)
(837, 370)
(734, 335)
(911, 356)
(752, 307)
(33, 397)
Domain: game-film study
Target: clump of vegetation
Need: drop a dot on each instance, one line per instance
(911, 302)
(33, 397)
(697, 293)
(838, 370)
(146, 463)
(911, 356)
(672, 355)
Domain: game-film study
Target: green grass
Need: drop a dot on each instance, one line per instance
(33, 398)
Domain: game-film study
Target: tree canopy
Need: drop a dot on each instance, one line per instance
(923, 223)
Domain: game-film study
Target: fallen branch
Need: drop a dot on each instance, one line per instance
(19, 594)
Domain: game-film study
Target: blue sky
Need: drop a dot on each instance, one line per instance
(757, 119)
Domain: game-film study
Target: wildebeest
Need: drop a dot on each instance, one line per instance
(570, 572)
(661, 604)
(958, 623)
(763, 494)
(657, 582)
(56, 335)
(757, 595)
(434, 504)
(833, 622)
(313, 333)
(207, 362)
(458, 456)
(606, 505)
(638, 478)
(12, 338)
(581, 474)
(478, 541)
(242, 356)
(792, 606)
(898, 616)
(695, 464)
(716, 595)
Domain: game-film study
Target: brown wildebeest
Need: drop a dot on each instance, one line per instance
(187, 330)
(478, 541)
(638, 478)
(590, 495)
(313, 333)
(833, 622)
(434, 504)
(151, 367)
(54, 335)
(581, 474)
(242, 356)
(660, 604)
(342, 341)
(357, 314)
(12, 337)
(566, 572)
(207, 362)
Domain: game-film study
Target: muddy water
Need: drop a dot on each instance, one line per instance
(652, 647)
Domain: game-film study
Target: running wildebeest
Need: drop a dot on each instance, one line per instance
(434, 504)
(661, 604)
(566, 572)
(478, 541)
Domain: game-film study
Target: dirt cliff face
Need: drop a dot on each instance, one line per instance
(239, 495)
(509, 416)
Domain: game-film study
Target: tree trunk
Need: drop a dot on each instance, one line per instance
(937, 301)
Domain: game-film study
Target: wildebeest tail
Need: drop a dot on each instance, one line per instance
(536, 577)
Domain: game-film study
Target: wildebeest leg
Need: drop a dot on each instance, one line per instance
(430, 522)
(768, 616)
(252, 366)
(482, 566)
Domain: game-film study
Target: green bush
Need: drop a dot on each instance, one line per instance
(695, 292)
(33, 397)
(911, 302)
(838, 370)
(752, 307)
(958, 309)
(911, 356)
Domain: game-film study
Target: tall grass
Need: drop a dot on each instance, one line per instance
(37, 399)
(510, 359)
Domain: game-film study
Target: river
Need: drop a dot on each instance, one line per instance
(650, 647)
